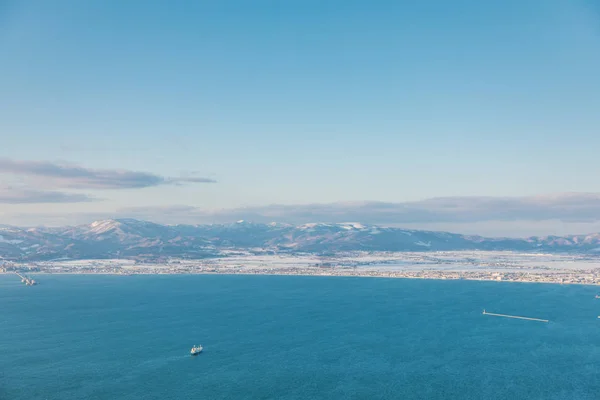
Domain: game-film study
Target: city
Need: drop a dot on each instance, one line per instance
(467, 265)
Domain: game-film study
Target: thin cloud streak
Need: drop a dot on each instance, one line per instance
(575, 207)
(56, 175)
(11, 195)
(189, 180)
(570, 207)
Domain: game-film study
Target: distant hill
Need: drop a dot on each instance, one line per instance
(130, 238)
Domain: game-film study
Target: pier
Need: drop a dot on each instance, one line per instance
(26, 280)
(515, 317)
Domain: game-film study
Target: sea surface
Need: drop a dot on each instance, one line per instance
(276, 337)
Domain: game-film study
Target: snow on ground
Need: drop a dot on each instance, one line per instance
(454, 260)
(500, 261)
(89, 263)
(2, 240)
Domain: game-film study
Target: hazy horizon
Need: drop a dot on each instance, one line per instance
(564, 214)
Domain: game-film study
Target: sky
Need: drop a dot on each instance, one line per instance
(206, 111)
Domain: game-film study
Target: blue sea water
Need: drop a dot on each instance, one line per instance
(275, 337)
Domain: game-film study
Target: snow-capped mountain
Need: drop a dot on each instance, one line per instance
(130, 238)
(119, 231)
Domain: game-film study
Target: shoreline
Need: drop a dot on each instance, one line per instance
(316, 275)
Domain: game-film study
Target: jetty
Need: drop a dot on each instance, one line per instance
(514, 316)
(26, 280)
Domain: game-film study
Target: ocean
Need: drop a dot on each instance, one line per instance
(290, 337)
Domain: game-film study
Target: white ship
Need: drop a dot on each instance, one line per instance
(195, 350)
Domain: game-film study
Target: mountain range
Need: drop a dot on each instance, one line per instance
(130, 238)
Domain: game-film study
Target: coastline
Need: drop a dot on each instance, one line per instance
(415, 275)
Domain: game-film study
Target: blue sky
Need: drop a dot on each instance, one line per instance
(295, 102)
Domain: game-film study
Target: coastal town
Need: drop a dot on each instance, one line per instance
(456, 265)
